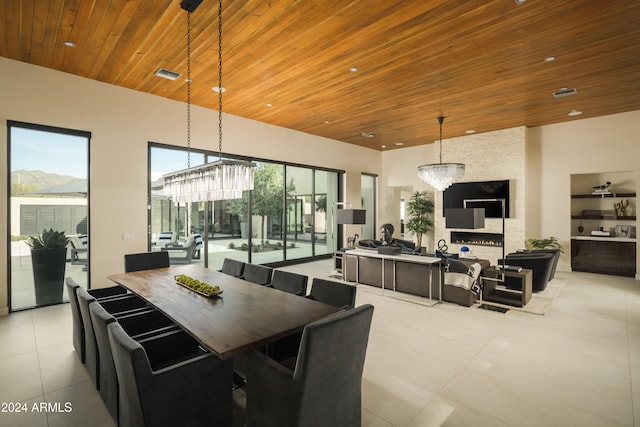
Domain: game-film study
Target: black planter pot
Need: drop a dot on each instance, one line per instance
(48, 274)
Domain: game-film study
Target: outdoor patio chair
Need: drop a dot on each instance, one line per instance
(167, 238)
(78, 251)
(182, 253)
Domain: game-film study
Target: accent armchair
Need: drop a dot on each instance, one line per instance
(137, 326)
(146, 261)
(76, 317)
(170, 380)
(322, 386)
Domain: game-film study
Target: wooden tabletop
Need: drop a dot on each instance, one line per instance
(243, 317)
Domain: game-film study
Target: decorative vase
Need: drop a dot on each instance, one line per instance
(48, 274)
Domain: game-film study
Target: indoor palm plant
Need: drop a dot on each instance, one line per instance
(420, 211)
(49, 258)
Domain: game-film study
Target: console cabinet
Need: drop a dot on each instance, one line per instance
(604, 256)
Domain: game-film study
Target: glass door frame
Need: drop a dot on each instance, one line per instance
(12, 124)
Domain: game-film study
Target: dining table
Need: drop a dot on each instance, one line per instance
(244, 316)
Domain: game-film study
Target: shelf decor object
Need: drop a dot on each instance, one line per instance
(218, 180)
(441, 175)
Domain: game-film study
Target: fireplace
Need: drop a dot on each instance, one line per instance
(477, 239)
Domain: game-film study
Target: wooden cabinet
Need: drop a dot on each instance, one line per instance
(604, 256)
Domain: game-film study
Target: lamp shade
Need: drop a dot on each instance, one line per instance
(465, 218)
(351, 216)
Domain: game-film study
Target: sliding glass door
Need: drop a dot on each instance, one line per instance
(49, 190)
(287, 216)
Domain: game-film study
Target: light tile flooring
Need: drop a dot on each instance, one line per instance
(579, 365)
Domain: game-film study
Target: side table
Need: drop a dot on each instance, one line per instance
(515, 291)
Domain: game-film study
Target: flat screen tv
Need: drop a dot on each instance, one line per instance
(454, 197)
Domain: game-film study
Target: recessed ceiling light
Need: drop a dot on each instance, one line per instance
(368, 134)
(218, 89)
(269, 105)
(326, 122)
(69, 44)
(353, 69)
(520, 1)
(383, 146)
(398, 143)
(549, 59)
(575, 112)
(469, 131)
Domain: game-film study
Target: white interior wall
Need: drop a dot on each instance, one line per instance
(121, 122)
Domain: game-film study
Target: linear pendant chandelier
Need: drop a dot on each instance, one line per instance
(218, 180)
(441, 175)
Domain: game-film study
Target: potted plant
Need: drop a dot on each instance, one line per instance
(49, 259)
(548, 243)
(420, 210)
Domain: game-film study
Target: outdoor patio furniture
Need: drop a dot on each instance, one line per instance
(182, 253)
(167, 238)
(78, 254)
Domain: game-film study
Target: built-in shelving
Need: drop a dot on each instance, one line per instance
(602, 196)
(610, 254)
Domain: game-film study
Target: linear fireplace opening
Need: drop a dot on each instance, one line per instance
(477, 239)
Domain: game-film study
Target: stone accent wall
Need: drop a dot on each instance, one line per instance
(488, 157)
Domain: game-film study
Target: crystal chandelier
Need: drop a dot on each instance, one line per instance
(219, 180)
(441, 175)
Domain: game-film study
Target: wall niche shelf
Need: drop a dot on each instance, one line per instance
(615, 253)
(600, 217)
(602, 196)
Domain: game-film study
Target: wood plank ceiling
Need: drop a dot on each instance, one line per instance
(480, 63)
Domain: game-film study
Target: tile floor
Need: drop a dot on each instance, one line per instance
(579, 365)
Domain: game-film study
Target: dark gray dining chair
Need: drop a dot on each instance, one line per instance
(77, 325)
(170, 380)
(138, 326)
(258, 274)
(292, 283)
(232, 267)
(125, 304)
(322, 386)
(334, 293)
(146, 261)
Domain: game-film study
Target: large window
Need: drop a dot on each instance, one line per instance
(284, 218)
(49, 190)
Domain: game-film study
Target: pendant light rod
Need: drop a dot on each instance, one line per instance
(220, 87)
(440, 120)
(188, 89)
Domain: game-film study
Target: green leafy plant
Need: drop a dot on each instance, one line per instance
(548, 243)
(48, 239)
(420, 210)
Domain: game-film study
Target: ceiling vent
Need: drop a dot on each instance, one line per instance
(167, 74)
(564, 92)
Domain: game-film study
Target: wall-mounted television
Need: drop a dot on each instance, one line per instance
(454, 197)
